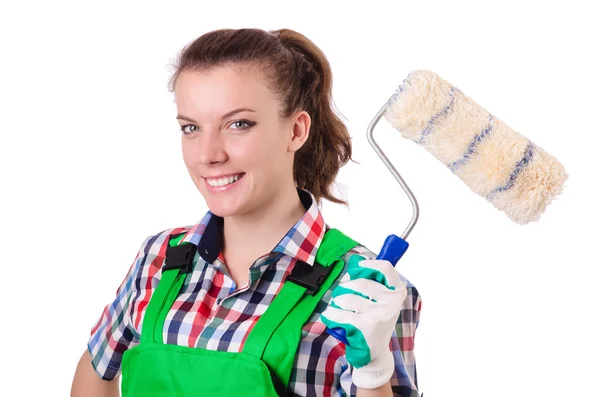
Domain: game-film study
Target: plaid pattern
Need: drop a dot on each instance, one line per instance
(213, 313)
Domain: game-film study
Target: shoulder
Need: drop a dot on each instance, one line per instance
(361, 250)
(152, 251)
(357, 249)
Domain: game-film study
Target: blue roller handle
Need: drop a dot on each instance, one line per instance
(393, 249)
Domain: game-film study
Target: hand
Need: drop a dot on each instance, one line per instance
(367, 303)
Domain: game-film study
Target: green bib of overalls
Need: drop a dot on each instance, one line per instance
(263, 367)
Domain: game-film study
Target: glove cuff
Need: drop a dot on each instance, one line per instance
(376, 373)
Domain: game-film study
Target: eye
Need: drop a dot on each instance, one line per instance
(248, 124)
(183, 127)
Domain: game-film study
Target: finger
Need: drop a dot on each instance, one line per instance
(357, 348)
(337, 318)
(382, 271)
(355, 303)
(377, 270)
(342, 289)
(334, 317)
(352, 268)
(370, 289)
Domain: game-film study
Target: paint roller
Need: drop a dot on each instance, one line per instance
(499, 164)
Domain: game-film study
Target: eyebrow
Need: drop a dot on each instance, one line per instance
(228, 114)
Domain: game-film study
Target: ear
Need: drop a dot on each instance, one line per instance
(299, 131)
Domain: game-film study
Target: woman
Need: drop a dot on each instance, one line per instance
(263, 146)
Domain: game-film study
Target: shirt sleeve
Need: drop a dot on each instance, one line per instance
(404, 380)
(113, 333)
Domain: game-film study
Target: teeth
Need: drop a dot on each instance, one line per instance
(224, 181)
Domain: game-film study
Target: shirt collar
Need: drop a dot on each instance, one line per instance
(301, 241)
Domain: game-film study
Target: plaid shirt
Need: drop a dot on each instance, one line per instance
(211, 312)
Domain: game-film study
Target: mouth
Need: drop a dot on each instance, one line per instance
(224, 183)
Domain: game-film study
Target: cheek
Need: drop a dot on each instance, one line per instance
(248, 152)
(271, 150)
(190, 157)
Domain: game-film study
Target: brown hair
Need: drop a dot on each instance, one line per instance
(299, 74)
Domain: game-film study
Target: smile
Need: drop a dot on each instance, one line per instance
(224, 181)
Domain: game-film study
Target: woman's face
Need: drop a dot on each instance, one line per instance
(220, 146)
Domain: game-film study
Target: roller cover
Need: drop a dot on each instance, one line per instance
(496, 162)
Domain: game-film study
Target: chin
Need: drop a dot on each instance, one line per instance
(222, 209)
(219, 211)
(226, 206)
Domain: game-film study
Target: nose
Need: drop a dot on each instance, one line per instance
(212, 149)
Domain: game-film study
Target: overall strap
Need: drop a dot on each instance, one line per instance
(276, 336)
(179, 261)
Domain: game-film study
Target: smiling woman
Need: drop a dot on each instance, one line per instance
(232, 305)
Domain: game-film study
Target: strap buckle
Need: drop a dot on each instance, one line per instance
(180, 257)
(309, 277)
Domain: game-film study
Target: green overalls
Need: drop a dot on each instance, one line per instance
(263, 367)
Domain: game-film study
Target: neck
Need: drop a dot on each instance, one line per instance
(246, 237)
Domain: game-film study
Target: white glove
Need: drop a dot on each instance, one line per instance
(367, 303)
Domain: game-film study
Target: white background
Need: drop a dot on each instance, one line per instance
(91, 164)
